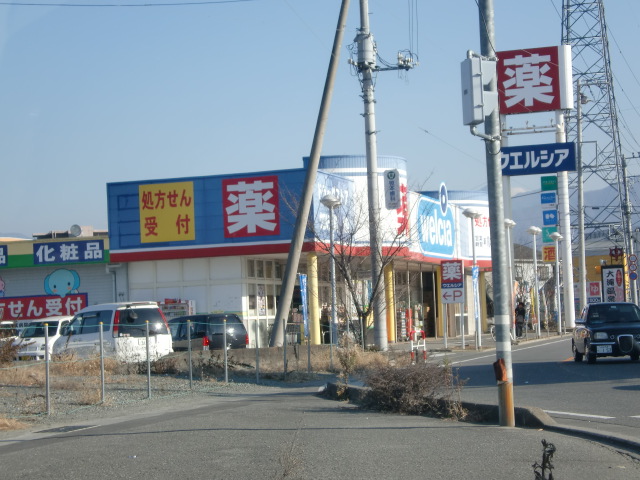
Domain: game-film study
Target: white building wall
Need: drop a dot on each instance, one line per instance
(215, 284)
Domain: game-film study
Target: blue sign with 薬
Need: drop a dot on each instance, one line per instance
(538, 159)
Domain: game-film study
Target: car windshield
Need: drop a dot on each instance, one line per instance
(36, 329)
(617, 313)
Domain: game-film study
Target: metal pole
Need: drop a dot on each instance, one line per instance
(284, 348)
(101, 330)
(334, 321)
(289, 280)
(496, 216)
(47, 388)
(257, 352)
(627, 227)
(366, 65)
(536, 231)
(509, 224)
(556, 238)
(224, 346)
(148, 359)
(581, 241)
(472, 215)
(189, 354)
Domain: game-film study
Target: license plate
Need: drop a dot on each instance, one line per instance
(603, 348)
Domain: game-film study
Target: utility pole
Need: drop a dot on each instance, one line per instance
(496, 214)
(286, 292)
(366, 66)
(580, 184)
(627, 227)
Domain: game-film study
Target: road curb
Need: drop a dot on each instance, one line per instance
(525, 417)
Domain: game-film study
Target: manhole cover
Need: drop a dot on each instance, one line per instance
(67, 429)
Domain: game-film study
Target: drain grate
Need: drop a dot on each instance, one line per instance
(71, 428)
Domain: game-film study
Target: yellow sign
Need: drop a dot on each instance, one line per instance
(167, 212)
(549, 253)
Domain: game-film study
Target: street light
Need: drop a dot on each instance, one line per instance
(556, 237)
(472, 214)
(331, 203)
(509, 224)
(536, 231)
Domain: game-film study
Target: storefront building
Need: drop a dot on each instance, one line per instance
(220, 243)
(54, 274)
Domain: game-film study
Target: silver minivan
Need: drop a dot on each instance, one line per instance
(124, 332)
(33, 336)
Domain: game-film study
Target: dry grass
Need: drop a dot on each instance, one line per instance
(10, 424)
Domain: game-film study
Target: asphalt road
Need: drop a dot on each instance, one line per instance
(603, 396)
(295, 434)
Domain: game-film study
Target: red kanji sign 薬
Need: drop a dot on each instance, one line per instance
(535, 80)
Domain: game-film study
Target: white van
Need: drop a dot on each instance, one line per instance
(124, 330)
(31, 339)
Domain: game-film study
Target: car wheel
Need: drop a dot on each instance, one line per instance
(577, 356)
(591, 357)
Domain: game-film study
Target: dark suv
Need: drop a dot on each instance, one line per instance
(607, 330)
(207, 332)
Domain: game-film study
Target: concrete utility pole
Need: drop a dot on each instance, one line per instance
(496, 214)
(565, 225)
(286, 292)
(366, 66)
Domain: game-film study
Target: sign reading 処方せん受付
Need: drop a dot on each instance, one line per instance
(167, 212)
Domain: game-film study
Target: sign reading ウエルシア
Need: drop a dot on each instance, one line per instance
(538, 159)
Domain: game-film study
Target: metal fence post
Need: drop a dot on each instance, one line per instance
(46, 373)
(148, 361)
(257, 352)
(189, 351)
(100, 325)
(224, 345)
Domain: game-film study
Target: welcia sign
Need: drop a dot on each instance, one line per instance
(436, 233)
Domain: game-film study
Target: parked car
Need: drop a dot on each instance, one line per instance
(610, 329)
(8, 332)
(124, 330)
(31, 340)
(207, 332)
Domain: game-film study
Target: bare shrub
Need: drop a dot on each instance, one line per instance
(168, 365)
(415, 390)
(349, 355)
(8, 351)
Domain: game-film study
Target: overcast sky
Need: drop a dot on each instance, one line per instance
(98, 94)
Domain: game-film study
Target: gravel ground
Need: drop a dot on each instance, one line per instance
(76, 399)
